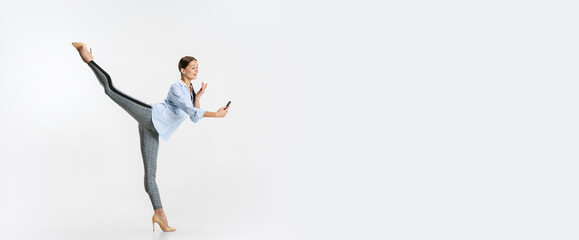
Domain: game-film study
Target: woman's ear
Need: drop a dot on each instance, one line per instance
(182, 70)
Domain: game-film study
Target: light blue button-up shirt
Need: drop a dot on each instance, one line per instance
(169, 114)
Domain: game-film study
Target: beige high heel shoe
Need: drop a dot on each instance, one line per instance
(164, 227)
(84, 54)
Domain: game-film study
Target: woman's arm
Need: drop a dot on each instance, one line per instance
(180, 96)
(220, 113)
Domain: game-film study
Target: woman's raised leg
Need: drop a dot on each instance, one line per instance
(138, 110)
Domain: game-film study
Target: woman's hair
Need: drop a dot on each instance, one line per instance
(185, 61)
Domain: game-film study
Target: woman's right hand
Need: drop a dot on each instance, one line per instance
(221, 112)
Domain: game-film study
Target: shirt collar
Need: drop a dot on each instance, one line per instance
(183, 83)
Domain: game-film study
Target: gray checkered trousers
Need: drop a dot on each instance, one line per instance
(149, 137)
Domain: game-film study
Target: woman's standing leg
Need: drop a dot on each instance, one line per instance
(149, 151)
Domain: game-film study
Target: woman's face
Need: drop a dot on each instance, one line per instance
(190, 71)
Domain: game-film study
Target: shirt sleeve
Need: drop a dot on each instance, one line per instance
(182, 98)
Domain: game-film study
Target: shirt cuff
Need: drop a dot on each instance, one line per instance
(198, 115)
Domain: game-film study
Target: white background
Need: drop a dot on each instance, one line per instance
(349, 120)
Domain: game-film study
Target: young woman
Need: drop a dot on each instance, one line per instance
(159, 119)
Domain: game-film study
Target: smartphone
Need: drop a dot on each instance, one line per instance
(227, 104)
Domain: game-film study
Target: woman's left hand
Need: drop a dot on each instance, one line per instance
(202, 90)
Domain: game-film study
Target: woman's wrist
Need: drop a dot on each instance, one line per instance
(209, 114)
(197, 102)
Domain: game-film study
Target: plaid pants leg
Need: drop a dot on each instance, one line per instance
(148, 134)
